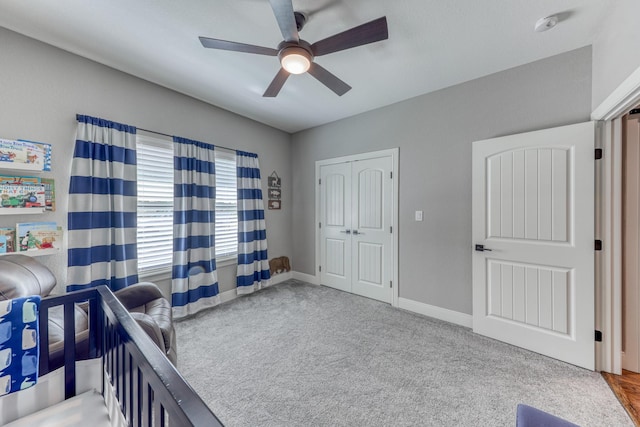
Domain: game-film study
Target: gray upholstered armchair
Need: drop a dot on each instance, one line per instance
(146, 304)
(21, 275)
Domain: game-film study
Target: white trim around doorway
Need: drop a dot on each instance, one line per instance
(608, 226)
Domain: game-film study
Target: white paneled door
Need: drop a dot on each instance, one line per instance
(335, 235)
(355, 227)
(533, 235)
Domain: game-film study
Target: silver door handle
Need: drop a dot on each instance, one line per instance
(347, 231)
(357, 232)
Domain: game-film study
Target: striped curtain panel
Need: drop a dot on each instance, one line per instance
(194, 278)
(102, 206)
(253, 262)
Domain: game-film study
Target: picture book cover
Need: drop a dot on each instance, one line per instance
(7, 240)
(49, 194)
(49, 189)
(22, 151)
(38, 153)
(22, 196)
(33, 236)
(10, 153)
(19, 180)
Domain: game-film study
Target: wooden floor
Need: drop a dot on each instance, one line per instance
(627, 388)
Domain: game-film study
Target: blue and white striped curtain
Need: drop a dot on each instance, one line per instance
(194, 278)
(253, 262)
(102, 206)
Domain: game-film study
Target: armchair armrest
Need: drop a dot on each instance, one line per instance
(139, 294)
(151, 328)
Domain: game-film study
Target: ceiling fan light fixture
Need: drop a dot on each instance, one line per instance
(295, 60)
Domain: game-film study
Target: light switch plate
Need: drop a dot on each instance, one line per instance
(418, 215)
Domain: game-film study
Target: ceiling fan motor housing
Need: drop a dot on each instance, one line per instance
(302, 44)
(302, 48)
(301, 19)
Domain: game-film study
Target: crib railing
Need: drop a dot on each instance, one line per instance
(148, 388)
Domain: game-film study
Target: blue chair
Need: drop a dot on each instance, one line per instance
(531, 417)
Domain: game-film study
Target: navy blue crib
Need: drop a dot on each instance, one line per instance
(148, 389)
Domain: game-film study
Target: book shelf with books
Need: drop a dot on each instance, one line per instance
(20, 195)
(27, 195)
(31, 238)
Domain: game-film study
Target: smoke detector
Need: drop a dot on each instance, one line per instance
(545, 24)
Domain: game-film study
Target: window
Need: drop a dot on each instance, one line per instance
(226, 205)
(155, 205)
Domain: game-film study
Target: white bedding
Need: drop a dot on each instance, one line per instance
(86, 409)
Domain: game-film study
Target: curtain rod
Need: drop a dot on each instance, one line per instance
(171, 136)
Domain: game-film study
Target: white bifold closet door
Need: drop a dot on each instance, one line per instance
(533, 235)
(355, 221)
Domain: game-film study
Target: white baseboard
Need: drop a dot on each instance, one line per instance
(304, 277)
(227, 296)
(232, 294)
(281, 277)
(440, 313)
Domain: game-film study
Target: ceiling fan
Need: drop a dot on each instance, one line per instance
(296, 55)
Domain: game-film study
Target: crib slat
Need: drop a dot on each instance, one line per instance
(149, 406)
(93, 327)
(43, 364)
(139, 393)
(69, 351)
(130, 392)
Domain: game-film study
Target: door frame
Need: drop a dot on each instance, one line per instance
(394, 153)
(608, 268)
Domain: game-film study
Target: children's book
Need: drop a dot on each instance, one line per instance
(7, 240)
(10, 153)
(33, 236)
(22, 151)
(38, 153)
(49, 194)
(22, 196)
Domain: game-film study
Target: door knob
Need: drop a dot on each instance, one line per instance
(346, 231)
(481, 248)
(357, 232)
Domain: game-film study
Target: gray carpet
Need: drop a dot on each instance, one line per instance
(302, 355)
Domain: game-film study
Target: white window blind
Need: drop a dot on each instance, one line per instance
(155, 204)
(226, 205)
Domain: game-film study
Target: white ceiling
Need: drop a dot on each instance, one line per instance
(432, 44)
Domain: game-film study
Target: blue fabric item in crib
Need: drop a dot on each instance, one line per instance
(19, 342)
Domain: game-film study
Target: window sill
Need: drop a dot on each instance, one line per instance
(157, 275)
(224, 262)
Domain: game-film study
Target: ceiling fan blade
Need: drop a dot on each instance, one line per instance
(236, 47)
(283, 9)
(370, 32)
(276, 84)
(328, 79)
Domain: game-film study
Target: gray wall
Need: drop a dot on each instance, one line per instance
(42, 88)
(615, 49)
(434, 133)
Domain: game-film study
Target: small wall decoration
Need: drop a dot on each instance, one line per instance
(274, 192)
(274, 204)
(274, 180)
